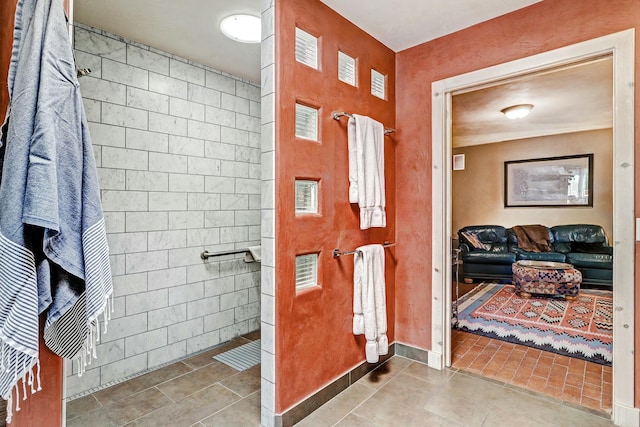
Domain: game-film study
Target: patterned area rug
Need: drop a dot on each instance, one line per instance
(582, 328)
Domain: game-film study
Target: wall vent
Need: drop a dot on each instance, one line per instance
(346, 68)
(306, 48)
(378, 84)
(306, 271)
(306, 196)
(306, 122)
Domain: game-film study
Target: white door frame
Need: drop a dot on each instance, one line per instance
(621, 46)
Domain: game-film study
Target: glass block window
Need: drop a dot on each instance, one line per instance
(346, 68)
(306, 122)
(378, 84)
(306, 196)
(306, 48)
(306, 271)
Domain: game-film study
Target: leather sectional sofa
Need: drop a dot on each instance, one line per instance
(487, 251)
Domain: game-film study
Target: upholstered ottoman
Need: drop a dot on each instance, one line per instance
(543, 277)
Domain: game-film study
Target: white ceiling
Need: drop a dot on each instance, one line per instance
(190, 28)
(572, 99)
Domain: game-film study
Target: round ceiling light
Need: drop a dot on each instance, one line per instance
(242, 28)
(517, 111)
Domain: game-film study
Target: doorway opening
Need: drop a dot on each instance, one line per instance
(620, 46)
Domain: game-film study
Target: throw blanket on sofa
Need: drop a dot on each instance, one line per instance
(533, 238)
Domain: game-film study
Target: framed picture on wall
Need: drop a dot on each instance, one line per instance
(554, 181)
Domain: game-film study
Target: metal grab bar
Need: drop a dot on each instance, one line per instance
(337, 253)
(207, 254)
(337, 115)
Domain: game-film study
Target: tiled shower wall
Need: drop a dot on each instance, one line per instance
(177, 147)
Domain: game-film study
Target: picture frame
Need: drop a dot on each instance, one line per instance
(565, 181)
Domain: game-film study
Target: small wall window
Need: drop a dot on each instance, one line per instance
(306, 48)
(346, 68)
(378, 84)
(306, 271)
(306, 196)
(306, 122)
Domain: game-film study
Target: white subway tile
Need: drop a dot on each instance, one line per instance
(167, 316)
(219, 184)
(235, 103)
(234, 331)
(248, 280)
(185, 330)
(242, 154)
(117, 264)
(147, 141)
(182, 182)
(111, 179)
(103, 90)
(255, 140)
(125, 74)
(214, 287)
(254, 294)
(203, 237)
(246, 90)
(247, 186)
(167, 85)
(173, 239)
(189, 73)
(235, 169)
(203, 95)
(234, 136)
(119, 201)
(124, 243)
(217, 150)
(107, 135)
(99, 45)
(129, 284)
(219, 320)
(92, 109)
(233, 300)
(255, 201)
(123, 368)
(254, 109)
(221, 117)
(233, 234)
(203, 271)
(267, 308)
(267, 223)
(144, 342)
(247, 217)
(220, 83)
(184, 257)
(90, 61)
(234, 202)
(147, 181)
(161, 279)
(168, 201)
(203, 341)
(186, 146)
(203, 166)
(122, 327)
(146, 221)
(146, 100)
(202, 130)
(246, 122)
(150, 61)
(122, 158)
(186, 109)
(114, 222)
(151, 300)
(186, 220)
(146, 261)
(168, 163)
(203, 202)
(247, 312)
(168, 353)
(119, 115)
(75, 384)
(167, 124)
(186, 293)
(219, 219)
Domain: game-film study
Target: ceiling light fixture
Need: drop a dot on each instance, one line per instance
(517, 111)
(242, 28)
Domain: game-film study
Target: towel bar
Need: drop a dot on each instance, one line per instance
(207, 254)
(337, 253)
(336, 116)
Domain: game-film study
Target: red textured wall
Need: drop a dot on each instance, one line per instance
(314, 327)
(541, 27)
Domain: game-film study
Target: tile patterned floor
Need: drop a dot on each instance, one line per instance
(572, 380)
(198, 391)
(201, 391)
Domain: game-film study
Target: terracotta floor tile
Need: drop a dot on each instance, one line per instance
(574, 380)
(542, 371)
(591, 403)
(593, 378)
(592, 391)
(561, 360)
(572, 394)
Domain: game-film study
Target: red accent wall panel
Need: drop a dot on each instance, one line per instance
(314, 339)
(541, 27)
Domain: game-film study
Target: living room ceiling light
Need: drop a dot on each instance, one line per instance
(242, 28)
(517, 111)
